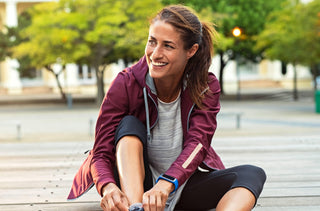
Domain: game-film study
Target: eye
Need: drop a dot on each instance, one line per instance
(152, 42)
(169, 46)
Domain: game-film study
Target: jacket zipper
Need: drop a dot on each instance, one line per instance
(157, 112)
(145, 96)
(189, 114)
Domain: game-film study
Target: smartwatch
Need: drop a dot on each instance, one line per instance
(169, 179)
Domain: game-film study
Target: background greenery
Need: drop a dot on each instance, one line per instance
(99, 32)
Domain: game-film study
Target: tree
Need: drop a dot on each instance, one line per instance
(132, 44)
(48, 41)
(93, 32)
(25, 68)
(10, 37)
(291, 36)
(249, 15)
(310, 19)
(5, 44)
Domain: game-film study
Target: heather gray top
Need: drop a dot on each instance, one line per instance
(166, 144)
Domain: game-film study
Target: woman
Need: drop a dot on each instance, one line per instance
(153, 135)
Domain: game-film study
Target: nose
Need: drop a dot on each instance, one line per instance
(156, 53)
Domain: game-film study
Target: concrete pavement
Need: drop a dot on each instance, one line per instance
(46, 117)
(276, 133)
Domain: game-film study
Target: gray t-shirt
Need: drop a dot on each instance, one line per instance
(166, 144)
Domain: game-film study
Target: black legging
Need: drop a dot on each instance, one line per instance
(203, 190)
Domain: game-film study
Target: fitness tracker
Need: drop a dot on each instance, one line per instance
(169, 179)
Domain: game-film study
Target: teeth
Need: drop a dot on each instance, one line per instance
(159, 63)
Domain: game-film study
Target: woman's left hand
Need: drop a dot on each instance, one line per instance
(155, 199)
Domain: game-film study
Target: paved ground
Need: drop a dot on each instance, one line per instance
(276, 133)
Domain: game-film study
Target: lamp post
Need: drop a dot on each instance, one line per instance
(236, 32)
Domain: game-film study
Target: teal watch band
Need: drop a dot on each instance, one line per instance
(171, 179)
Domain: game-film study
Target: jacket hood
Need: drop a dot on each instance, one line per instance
(139, 71)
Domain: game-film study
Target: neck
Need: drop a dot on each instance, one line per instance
(167, 93)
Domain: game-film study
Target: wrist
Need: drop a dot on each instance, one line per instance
(165, 185)
(106, 187)
(171, 182)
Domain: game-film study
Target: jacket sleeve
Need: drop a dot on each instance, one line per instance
(113, 109)
(202, 125)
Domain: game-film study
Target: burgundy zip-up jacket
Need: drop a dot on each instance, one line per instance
(125, 97)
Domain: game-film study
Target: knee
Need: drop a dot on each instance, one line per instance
(129, 141)
(255, 172)
(130, 128)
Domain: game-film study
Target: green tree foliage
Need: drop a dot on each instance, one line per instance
(93, 32)
(5, 44)
(48, 41)
(292, 36)
(249, 15)
(10, 37)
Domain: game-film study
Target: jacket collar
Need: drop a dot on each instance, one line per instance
(150, 84)
(140, 70)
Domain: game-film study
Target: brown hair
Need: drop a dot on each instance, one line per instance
(192, 32)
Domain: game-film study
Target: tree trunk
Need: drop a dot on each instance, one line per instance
(295, 83)
(100, 85)
(315, 70)
(222, 65)
(63, 95)
(56, 75)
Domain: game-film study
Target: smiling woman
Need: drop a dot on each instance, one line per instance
(153, 138)
(167, 59)
(193, 41)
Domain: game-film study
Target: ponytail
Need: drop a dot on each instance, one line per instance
(197, 67)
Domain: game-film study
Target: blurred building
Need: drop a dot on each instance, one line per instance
(75, 79)
(81, 79)
(265, 75)
(10, 81)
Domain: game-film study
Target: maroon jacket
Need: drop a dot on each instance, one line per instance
(125, 97)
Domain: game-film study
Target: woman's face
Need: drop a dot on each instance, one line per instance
(165, 53)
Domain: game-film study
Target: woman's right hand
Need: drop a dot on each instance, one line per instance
(113, 199)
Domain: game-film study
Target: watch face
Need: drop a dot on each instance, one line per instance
(169, 177)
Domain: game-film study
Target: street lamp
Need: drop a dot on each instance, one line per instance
(236, 32)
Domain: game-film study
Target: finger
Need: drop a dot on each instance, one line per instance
(152, 202)
(125, 201)
(117, 200)
(104, 204)
(164, 199)
(111, 205)
(145, 202)
(159, 204)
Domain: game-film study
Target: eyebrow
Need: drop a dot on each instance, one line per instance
(166, 41)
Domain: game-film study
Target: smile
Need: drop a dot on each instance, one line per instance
(158, 64)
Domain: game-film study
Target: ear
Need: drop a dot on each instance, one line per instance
(192, 50)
